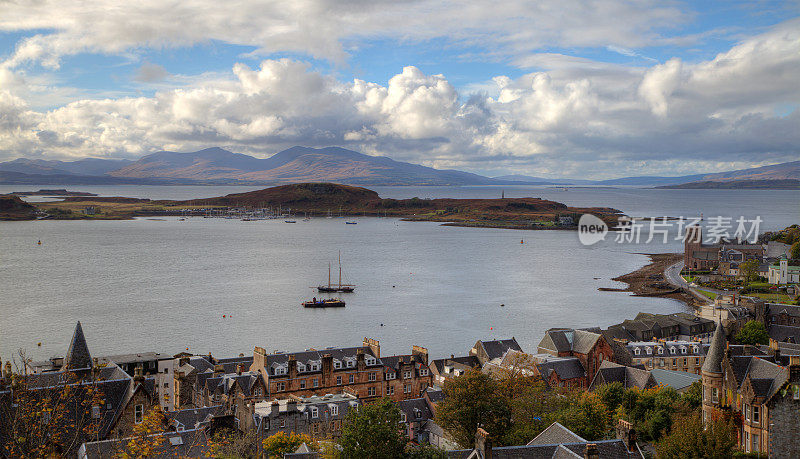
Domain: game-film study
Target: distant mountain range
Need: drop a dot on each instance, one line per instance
(332, 164)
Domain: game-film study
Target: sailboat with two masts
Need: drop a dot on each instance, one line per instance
(340, 287)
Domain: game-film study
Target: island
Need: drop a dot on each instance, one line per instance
(330, 199)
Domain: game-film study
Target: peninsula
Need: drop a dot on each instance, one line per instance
(320, 199)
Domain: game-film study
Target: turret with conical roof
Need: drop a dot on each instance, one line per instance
(716, 352)
(78, 356)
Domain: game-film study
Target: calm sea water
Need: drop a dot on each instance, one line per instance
(165, 285)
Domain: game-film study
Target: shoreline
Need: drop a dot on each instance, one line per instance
(649, 280)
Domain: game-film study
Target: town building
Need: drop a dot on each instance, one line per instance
(320, 417)
(765, 393)
(83, 399)
(783, 273)
(192, 371)
(685, 356)
(698, 255)
(449, 368)
(629, 377)
(590, 348)
(486, 351)
(360, 371)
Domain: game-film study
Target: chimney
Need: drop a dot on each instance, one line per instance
(374, 345)
(420, 351)
(483, 444)
(291, 367)
(627, 434)
(259, 358)
(591, 451)
(794, 368)
(138, 373)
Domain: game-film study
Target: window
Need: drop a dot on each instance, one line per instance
(747, 442)
(714, 395)
(338, 380)
(390, 375)
(661, 351)
(756, 444)
(314, 412)
(257, 391)
(370, 391)
(389, 390)
(796, 392)
(672, 350)
(138, 414)
(407, 389)
(280, 387)
(351, 363)
(695, 349)
(280, 370)
(423, 372)
(301, 366)
(352, 378)
(685, 361)
(283, 423)
(109, 407)
(756, 414)
(683, 350)
(402, 417)
(316, 382)
(407, 374)
(302, 384)
(96, 411)
(337, 364)
(649, 351)
(373, 376)
(697, 361)
(746, 412)
(417, 414)
(369, 361)
(637, 351)
(334, 410)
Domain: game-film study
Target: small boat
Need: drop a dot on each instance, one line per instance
(351, 223)
(320, 303)
(290, 221)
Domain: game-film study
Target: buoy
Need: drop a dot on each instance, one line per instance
(39, 344)
(381, 325)
(39, 243)
(491, 328)
(223, 316)
(502, 304)
(522, 241)
(392, 286)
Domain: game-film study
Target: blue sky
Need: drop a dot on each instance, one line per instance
(558, 84)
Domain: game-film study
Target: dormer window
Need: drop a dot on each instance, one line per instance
(402, 417)
(695, 349)
(334, 410)
(672, 350)
(351, 364)
(423, 372)
(661, 351)
(637, 351)
(301, 366)
(314, 412)
(337, 364)
(369, 361)
(649, 351)
(280, 370)
(390, 375)
(683, 349)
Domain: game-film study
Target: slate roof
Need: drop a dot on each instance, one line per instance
(566, 340)
(193, 418)
(716, 352)
(415, 409)
(189, 443)
(629, 377)
(78, 356)
(766, 377)
(393, 362)
(341, 354)
(554, 434)
(496, 348)
(435, 394)
(607, 449)
(785, 333)
(462, 363)
(677, 380)
(565, 368)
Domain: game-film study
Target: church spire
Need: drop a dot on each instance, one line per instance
(78, 356)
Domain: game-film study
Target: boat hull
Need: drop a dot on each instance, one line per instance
(324, 304)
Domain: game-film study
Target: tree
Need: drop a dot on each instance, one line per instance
(689, 438)
(279, 444)
(373, 431)
(473, 400)
(794, 251)
(611, 395)
(517, 373)
(749, 270)
(146, 440)
(533, 408)
(753, 332)
(587, 417)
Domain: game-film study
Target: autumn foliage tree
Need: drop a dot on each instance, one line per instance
(147, 439)
(373, 431)
(281, 443)
(41, 421)
(689, 438)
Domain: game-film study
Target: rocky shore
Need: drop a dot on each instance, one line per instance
(649, 280)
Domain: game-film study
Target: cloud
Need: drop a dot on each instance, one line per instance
(150, 73)
(320, 28)
(598, 119)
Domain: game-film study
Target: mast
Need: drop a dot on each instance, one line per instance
(340, 269)
(329, 274)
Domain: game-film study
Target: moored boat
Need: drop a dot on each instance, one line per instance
(331, 288)
(324, 303)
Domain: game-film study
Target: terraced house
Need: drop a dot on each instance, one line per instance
(685, 356)
(360, 371)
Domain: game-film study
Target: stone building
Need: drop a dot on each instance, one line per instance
(764, 392)
(698, 255)
(360, 371)
(685, 356)
(449, 368)
(83, 400)
(590, 348)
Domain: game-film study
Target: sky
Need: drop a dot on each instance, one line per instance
(565, 88)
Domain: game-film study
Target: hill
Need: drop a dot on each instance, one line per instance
(739, 185)
(296, 164)
(14, 208)
(87, 166)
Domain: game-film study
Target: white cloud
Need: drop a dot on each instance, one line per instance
(318, 28)
(598, 119)
(150, 73)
